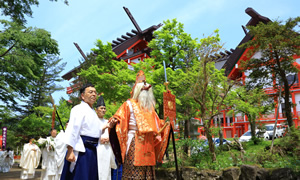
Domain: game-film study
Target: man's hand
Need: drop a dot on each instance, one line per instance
(104, 140)
(113, 122)
(70, 155)
(157, 140)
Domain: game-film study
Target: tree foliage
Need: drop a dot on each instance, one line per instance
(111, 78)
(17, 9)
(22, 55)
(209, 86)
(251, 103)
(46, 84)
(277, 43)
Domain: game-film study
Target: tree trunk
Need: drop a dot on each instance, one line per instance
(274, 130)
(252, 128)
(288, 110)
(186, 134)
(210, 141)
(220, 131)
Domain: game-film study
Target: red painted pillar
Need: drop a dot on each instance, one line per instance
(234, 130)
(294, 107)
(224, 120)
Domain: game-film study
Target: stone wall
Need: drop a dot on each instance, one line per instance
(244, 172)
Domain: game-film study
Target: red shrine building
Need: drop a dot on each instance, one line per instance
(131, 48)
(230, 60)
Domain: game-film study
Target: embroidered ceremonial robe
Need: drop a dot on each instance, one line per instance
(147, 149)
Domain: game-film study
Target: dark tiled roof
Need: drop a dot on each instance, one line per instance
(121, 44)
(232, 59)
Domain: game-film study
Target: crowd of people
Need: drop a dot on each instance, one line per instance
(126, 146)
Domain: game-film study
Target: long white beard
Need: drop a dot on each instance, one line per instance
(146, 99)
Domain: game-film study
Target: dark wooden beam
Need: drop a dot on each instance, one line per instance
(130, 34)
(228, 52)
(121, 40)
(133, 20)
(134, 31)
(79, 49)
(245, 30)
(125, 37)
(116, 42)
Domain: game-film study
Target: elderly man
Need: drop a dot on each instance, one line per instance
(81, 137)
(105, 154)
(137, 129)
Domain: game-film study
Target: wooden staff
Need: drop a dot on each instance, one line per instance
(172, 132)
(52, 101)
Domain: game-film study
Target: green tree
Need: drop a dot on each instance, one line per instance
(46, 83)
(17, 10)
(252, 103)
(176, 47)
(22, 56)
(277, 43)
(209, 86)
(111, 78)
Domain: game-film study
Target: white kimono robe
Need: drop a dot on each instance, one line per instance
(105, 157)
(83, 121)
(6, 160)
(49, 164)
(60, 152)
(30, 159)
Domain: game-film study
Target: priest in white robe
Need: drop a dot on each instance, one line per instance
(6, 160)
(105, 155)
(60, 151)
(49, 164)
(30, 159)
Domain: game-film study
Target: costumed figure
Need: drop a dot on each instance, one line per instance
(105, 154)
(6, 160)
(30, 159)
(137, 134)
(60, 151)
(49, 164)
(82, 137)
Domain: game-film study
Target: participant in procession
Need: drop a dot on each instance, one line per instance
(137, 129)
(49, 164)
(30, 159)
(105, 154)
(6, 160)
(60, 151)
(82, 136)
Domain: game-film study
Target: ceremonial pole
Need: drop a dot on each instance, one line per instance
(166, 83)
(52, 101)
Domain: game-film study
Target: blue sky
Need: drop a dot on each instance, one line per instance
(86, 21)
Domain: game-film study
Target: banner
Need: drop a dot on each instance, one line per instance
(170, 107)
(4, 134)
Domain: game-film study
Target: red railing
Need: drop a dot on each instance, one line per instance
(270, 90)
(268, 116)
